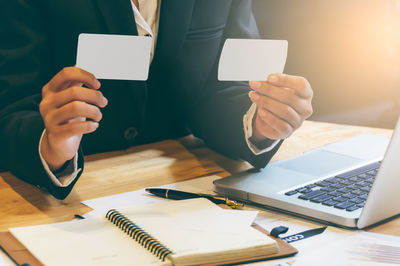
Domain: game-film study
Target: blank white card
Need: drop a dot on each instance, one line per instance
(251, 59)
(119, 57)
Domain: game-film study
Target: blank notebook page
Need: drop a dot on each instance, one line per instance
(205, 229)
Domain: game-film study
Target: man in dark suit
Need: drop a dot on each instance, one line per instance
(48, 109)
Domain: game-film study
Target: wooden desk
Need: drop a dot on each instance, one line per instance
(153, 165)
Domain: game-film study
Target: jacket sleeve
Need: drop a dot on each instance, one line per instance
(217, 116)
(25, 66)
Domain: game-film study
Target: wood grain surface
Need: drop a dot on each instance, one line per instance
(153, 165)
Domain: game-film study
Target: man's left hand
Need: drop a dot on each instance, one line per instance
(283, 103)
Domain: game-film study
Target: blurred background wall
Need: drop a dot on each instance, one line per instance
(349, 50)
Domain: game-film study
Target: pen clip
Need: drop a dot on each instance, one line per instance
(234, 204)
(231, 203)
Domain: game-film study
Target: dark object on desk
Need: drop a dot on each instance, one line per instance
(80, 217)
(304, 235)
(11, 258)
(180, 195)
(8, 255)
(276, 231)
(13, 248)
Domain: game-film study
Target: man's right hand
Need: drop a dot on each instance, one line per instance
(69, 110)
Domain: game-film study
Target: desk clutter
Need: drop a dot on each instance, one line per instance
(99, 192)
(316, 249)
(185, 232)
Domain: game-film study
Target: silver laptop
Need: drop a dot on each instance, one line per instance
(345, 183)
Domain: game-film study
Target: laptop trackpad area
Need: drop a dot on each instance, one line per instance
(289, 173)
(318, 163)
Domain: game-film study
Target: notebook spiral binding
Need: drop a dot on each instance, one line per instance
(138, 234)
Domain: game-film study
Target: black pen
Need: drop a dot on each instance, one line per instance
(180, 195)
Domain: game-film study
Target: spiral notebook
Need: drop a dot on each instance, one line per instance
(187, 232)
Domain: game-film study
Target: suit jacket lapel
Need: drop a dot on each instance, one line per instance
(175, 16)
(118, 16)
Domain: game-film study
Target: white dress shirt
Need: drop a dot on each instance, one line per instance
(147, 19)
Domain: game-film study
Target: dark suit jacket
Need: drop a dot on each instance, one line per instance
(181, 95)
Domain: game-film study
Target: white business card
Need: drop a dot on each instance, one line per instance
(251, 59)
(119, 57)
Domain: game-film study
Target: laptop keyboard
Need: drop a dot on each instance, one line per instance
(347, 191)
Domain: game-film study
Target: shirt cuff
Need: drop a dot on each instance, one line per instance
(65, 177)
(248, 132)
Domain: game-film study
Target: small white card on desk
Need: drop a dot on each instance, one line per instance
(120, 57)
(248, 59)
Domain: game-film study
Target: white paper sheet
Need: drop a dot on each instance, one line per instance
(246, 59)
(139, 197)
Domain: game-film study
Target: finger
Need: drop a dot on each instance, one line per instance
(300, 105)
(71, 111)
(266, 130)
(299, 84)
(283, 111)
(283, 95)
(283, 128)
(264, 86)
(76, 93)
(72, 75)
(75, 128)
